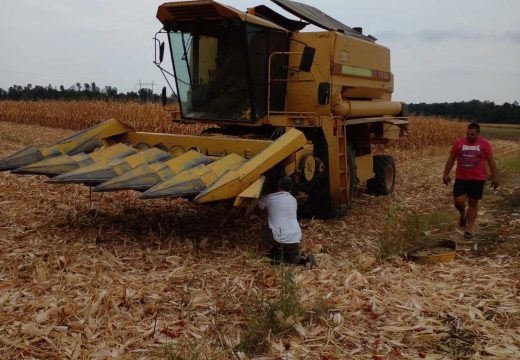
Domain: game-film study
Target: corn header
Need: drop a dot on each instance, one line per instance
(281, 101)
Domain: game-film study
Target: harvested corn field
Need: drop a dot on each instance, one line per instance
(119, 277)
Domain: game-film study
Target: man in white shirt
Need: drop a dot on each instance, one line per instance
(284, 233)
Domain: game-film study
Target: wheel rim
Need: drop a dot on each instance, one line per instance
(308, 167)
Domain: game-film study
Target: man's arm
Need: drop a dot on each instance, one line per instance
(447, 169)
(262, 203)
(493, 168)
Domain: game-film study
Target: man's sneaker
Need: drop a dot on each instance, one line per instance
(312, 260)
(301, 260)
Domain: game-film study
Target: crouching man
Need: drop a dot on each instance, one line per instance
(283, 235)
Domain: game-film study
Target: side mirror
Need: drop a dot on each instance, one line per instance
(163, 95)
(323, 93)
(161, 52)
(307, 59)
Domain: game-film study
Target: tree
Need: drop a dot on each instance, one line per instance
(474, 110)
(145, 94)
(90, 91)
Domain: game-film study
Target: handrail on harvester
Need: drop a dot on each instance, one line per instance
(302, 114)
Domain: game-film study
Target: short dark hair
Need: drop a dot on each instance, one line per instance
(474, 125)
(285, 183)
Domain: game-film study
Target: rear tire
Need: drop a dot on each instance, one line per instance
(383, 182)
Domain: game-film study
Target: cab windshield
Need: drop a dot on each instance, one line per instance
(221, 69)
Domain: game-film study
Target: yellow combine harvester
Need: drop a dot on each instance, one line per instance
(284, 102)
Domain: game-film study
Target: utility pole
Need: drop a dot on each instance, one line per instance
(149, 84)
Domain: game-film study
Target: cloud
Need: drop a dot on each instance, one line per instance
(436, 35)
(459, 71)
(513, 36)
(391, 35)
(441, 35)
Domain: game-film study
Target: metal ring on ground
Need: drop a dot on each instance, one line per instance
(443, 251)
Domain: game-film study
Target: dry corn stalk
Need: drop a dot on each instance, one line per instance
(78, 115)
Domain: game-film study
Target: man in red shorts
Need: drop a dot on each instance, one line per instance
(471, 153)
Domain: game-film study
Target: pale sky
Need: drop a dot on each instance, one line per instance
(442, 50)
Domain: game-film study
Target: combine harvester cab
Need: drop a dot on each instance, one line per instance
(309, 105)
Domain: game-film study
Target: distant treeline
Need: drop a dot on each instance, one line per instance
(474, 110)
(78, 91)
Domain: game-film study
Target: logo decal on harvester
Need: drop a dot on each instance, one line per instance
(344, 57)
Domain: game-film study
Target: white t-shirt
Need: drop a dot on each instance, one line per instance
(281, 208)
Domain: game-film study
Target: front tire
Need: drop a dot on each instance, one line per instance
(383, 182)
(319, 204)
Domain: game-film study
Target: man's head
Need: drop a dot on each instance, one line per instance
(285, 184)
(472, 132)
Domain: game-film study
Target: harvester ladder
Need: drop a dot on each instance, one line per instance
(344, 180)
